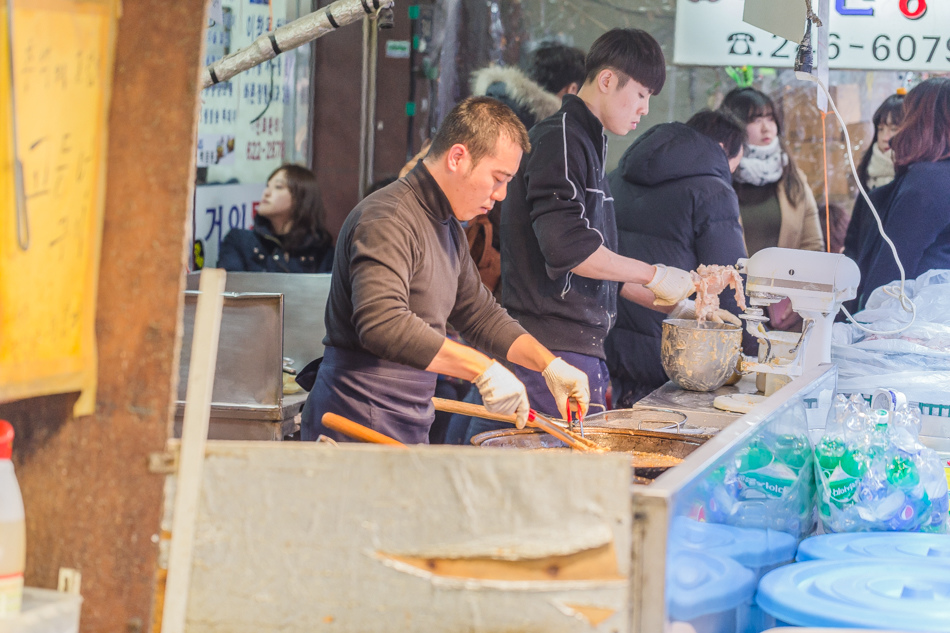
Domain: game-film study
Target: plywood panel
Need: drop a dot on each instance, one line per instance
(298, 537)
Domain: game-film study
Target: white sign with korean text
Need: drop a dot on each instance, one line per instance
(218, 209)
(863, 35)
(250, 108)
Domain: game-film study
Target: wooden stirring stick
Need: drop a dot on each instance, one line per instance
(357, 431)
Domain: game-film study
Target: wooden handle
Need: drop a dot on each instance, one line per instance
(468, 408)
(357, 431)
(536, 420)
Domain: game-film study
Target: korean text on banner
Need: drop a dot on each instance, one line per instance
(900, 35)
(49, 244)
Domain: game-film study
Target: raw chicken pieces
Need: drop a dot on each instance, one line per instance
(710, 281)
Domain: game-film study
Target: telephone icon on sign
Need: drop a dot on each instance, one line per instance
(741, 43)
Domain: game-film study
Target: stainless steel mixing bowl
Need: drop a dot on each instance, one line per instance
(639, 419)
(699, 356)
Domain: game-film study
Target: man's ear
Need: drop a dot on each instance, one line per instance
(456, 157)
(605, 80)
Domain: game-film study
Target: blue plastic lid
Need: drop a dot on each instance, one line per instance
(752, 547)
(698, 584)
(864, 593)
(880, 545)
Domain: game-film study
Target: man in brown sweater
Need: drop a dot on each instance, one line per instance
(402, 271)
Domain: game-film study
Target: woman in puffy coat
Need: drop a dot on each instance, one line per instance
(915, 207)
(675, 204)
(288, 234)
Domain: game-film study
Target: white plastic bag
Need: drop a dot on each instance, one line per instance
(915, 361)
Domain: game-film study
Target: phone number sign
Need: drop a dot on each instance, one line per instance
(863, 35)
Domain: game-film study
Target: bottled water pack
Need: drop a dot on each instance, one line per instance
(874, 475)
(769, 484)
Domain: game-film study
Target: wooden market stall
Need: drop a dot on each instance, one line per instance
(92, 503)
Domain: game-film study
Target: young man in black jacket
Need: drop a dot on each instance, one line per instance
(675, 203)
(560, 267)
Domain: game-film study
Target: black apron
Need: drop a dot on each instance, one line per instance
(388, 397)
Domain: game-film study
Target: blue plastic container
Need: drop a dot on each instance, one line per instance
(759, 550)
(711, 593)
(911, 595)
(879, 545)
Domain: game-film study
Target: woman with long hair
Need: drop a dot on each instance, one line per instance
(915, 207)
(288, 234)
(877, 166)
(776, 205)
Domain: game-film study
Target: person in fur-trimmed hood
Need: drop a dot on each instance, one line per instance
(554, 70)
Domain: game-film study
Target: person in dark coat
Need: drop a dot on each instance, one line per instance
(288, 234)
(915, 206)
(554, 70)
(675, 204)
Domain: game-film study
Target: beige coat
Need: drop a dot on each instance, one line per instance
(801, 225)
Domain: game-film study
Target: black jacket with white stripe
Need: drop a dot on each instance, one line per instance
(557, 213)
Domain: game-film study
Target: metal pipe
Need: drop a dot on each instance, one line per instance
(370, 176)
(368, 103)
(364, 109)
(290, 36)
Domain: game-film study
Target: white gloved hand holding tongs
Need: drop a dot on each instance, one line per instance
(567, 382)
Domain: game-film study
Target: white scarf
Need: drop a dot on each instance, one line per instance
(881, 167)
(762, 164)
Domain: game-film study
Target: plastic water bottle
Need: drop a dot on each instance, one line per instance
(904, 429)
(830, 447)
(837, 467)
(12, 529)
(877, 440)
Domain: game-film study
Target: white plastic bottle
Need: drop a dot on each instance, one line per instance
(12, 529)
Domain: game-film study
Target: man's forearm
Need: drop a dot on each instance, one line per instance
(528, 352)
(459, 361)
(638, 294)
(609, 266)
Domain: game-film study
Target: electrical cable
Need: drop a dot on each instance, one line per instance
(897, 292)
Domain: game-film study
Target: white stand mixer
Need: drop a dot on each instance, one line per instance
(817, 284)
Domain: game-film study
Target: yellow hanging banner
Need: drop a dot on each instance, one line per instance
(53, 131)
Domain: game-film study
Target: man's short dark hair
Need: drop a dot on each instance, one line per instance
(632, 52)
(554, 66)
(721, 127)
(478, 123)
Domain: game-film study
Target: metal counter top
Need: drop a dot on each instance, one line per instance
(698, 405)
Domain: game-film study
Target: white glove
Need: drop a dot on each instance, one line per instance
(502, 392)
(686, 309)
(670, 285)
(566, 381)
